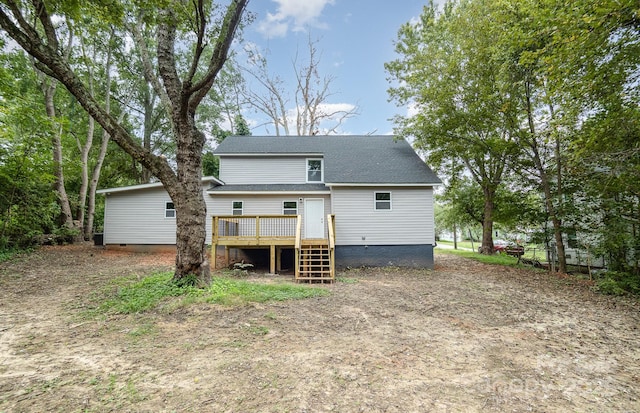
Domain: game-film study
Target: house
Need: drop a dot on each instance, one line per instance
(323, 201)
(143, 216)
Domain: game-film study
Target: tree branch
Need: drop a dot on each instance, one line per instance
(147, 66)
(201, 24)
(166, 35)
(47, 24)
(230, 24)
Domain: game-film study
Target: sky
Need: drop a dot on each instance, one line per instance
(355, 38)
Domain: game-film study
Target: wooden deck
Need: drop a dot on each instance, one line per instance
(314, 258)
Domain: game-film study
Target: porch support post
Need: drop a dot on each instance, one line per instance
(214, 247)
(279, 259)
(226, 255)
(272, 260)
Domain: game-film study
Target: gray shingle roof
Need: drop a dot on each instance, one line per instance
(347, 159)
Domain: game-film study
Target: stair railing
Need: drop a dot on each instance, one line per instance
(297, 245)
(331, 226)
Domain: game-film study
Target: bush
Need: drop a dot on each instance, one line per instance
(618, 283)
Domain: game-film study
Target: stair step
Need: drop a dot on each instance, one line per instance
(315, 263)
(315, 272)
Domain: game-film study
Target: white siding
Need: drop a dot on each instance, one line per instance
(137, 217)
(264, 205)
(410, 221)
(262, 170)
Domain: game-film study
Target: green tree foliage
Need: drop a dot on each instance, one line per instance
(560, 82)
(27, 204)
(447, 73)
(582, 61)
(514, 211)
(192, 44)
(601, 65)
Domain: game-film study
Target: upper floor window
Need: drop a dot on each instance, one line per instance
(236, 208)
(382, 201)
(290, 208)
(314, 170)
(169, 210)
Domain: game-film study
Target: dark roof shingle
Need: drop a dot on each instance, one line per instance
(347, 159)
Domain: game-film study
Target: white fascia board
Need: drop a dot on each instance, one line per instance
(331, 184)
(151, 185)
(272, 154)
(268, 192)
(129, 188)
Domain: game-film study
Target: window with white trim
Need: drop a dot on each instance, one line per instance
(382, 201)
(169, 210)
(290, 208)
(314, 170)
(236, 208)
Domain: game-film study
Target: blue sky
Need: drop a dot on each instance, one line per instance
(355, 39)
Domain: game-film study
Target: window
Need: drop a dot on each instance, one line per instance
(290, 208)
(382, 201)
(236, 208)
(169, 210)
(314, 170)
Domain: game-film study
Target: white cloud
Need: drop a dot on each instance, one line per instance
(293, 15)
(331, 114)
(335, 110)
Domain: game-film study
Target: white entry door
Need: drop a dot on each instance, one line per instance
(314, 218)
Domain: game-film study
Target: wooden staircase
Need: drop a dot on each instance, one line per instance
(315, 263)
(315, 259)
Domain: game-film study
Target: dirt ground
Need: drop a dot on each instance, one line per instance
(465, 337)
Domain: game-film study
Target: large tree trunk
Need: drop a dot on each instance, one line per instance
(551, 209)
(84, 185)
(487, 221)
(95, 178)
(191, 210)
(48, 87)
(149, 104)
(545, 182)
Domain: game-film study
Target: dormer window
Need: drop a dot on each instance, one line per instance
(314, 170)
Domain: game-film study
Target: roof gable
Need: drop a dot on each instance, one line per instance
(347, 159)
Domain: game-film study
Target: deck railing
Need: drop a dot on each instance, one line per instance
(276, 232)
(254, 228)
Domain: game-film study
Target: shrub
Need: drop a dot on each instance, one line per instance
(618, 283)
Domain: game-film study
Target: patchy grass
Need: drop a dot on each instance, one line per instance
(129, 295)
(462, 244)
(11, 253)
(496, 259)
